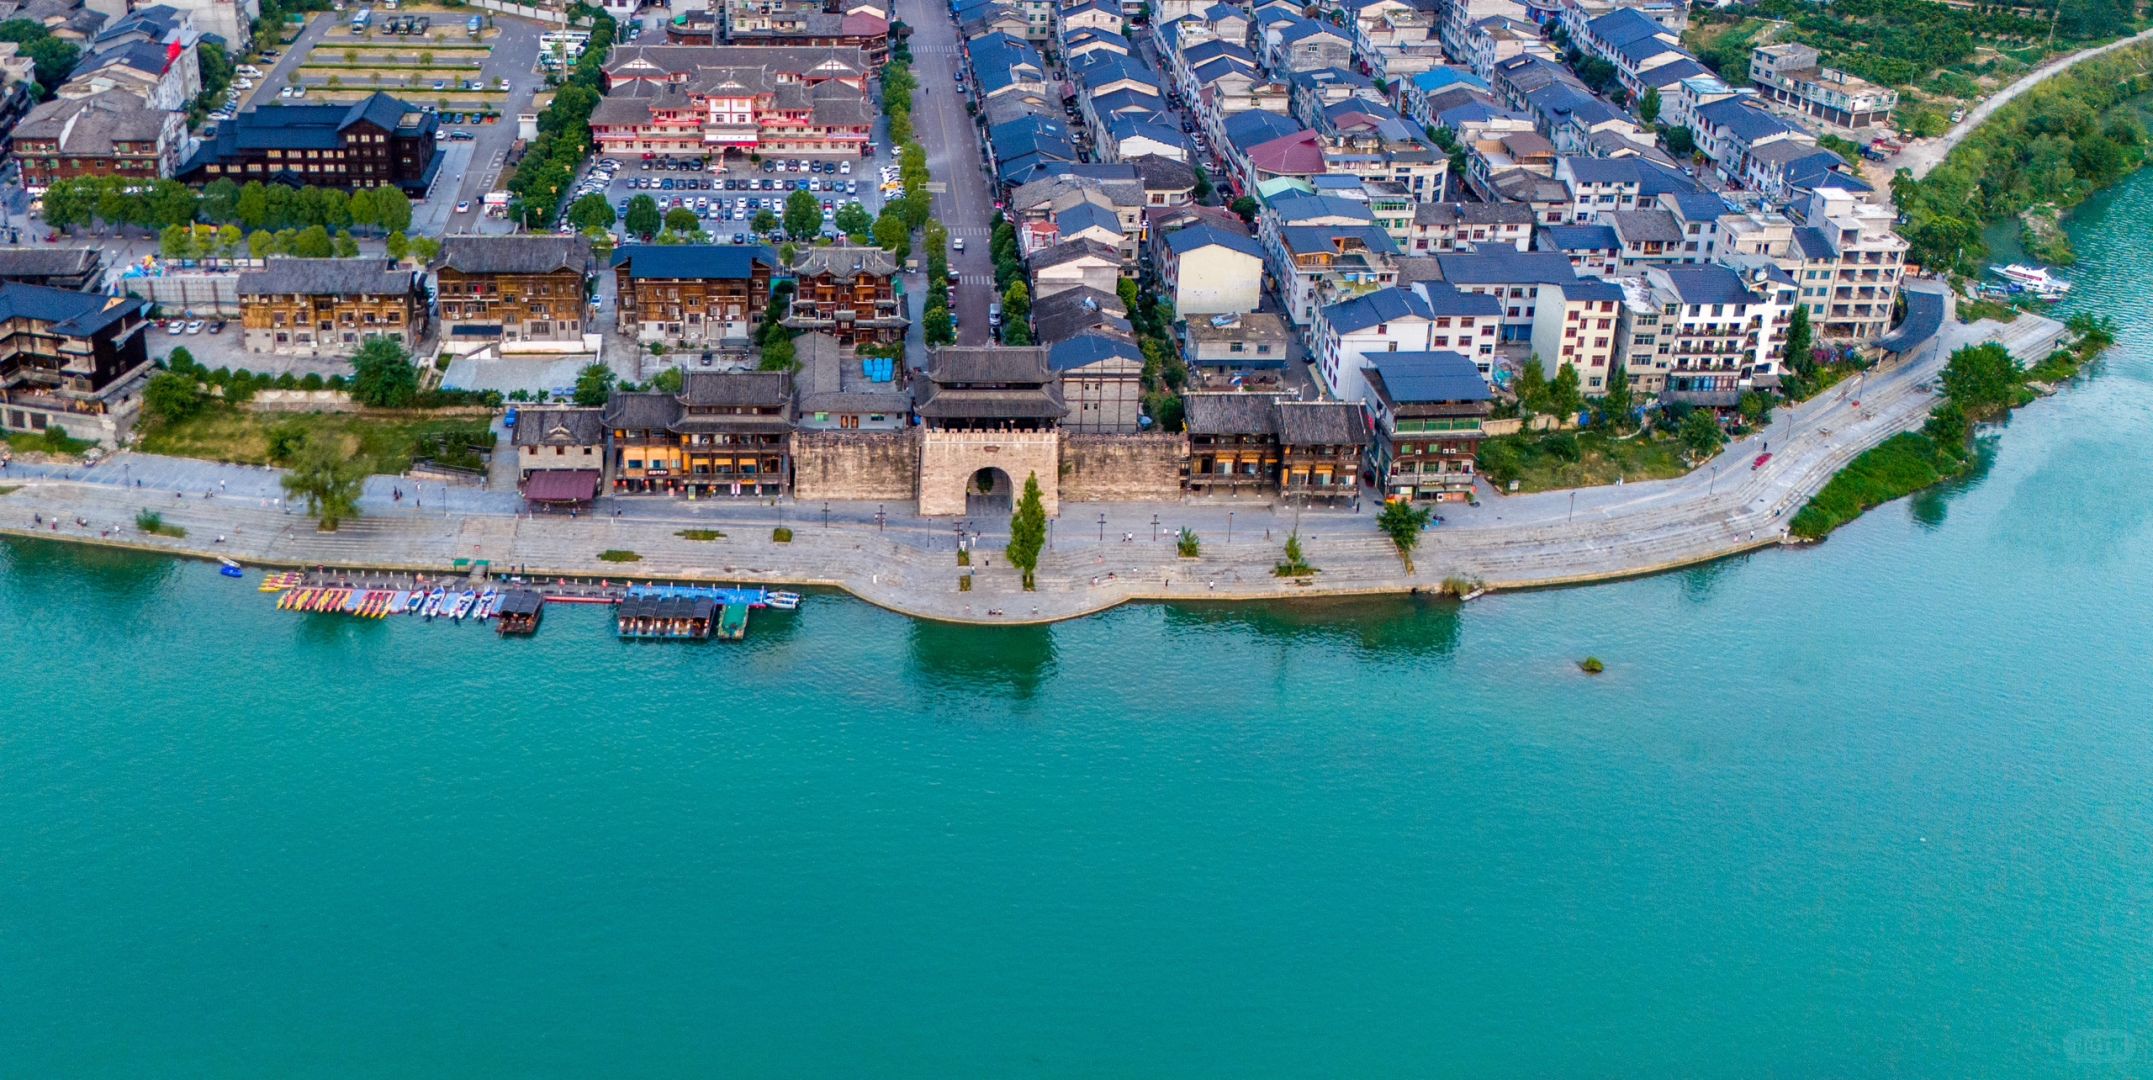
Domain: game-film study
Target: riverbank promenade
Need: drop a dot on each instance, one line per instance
(1099, 555)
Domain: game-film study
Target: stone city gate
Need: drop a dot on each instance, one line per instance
(950, 460)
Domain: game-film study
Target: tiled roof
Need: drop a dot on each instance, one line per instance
(524, 254)
(325, 277)
(692, 261)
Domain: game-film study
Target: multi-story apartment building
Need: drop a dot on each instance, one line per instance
(1317, 265)
(1513, 278)
(1793, 75)
(1442, 227)
(847, 292)
(1428, 316)
(375, 142)
(1427, 409)
(692, 294)
(1718, 332)
(1577, 324)
(107, 134)
(1853, 262)
(70, 360)
(316, 307)
(514, 288)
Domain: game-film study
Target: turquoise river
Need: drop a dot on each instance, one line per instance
(1875, 808)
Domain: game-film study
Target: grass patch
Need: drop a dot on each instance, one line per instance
(150, 521)
(1558, 460)
(53, 440)
(964, 583)
(386, 443)
(9, 489)
(618, 555)
(700, 534)
(1972, 311)
(781, 535)
(1894, 468)
(964, 558)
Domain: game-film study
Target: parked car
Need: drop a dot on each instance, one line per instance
(216, 326)
(195, 326)
(957, 242)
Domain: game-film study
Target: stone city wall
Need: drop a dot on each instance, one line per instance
(855, 465)
(1123, 468)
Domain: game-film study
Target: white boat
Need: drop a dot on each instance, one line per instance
(463, 605)
(2035, 279)
(782, 601)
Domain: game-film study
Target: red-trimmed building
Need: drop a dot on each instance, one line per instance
(689, 101)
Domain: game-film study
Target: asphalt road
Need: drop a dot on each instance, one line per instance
(952, 143)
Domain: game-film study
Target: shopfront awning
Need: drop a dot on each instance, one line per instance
(561, 486)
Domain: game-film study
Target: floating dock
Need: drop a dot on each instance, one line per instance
(649, 612)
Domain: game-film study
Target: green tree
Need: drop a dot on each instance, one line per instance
(852, 220)
(1532, 386)
(803, 215)
(261, 243)
(252, 206)
(177, 242)
(1028, 530)
(424, 249)
(1648, 107)
(1403, 522)
(1756, 409)
(1564, 399)
(1617, 402)
(592, 213)
(1681, 141)
(1801, 340)
(1982, 379)
(398, 246)
(171, 397)
(392, 209)
(643, 217)
(681, 220)
(1700, 432)
(594, 384)
(1246, 206)
(347, 246)
(763, 223)
(382, 375)
(779, 353)
(937, 327)
(669, 381)
(329, 477)
(365, 208)
(313, 243)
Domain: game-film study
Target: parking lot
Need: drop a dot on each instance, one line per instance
(727, 195)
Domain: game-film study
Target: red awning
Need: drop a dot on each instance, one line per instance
(561, 485)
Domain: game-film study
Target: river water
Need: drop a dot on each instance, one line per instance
(1878, 807)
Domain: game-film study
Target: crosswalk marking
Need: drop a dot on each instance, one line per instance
(975, 279)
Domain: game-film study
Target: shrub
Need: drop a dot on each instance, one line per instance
(700, 534)
(618, 555)
(1189, 546)
(781, 535)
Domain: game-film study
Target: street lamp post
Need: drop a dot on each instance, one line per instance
(826, 515)
(878, 519)
(1102, 527)
(1154, 528)
(1573, 507)
(1229, 526)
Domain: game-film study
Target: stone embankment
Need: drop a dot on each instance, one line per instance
(908, 564)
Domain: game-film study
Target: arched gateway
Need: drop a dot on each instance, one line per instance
(988, 420)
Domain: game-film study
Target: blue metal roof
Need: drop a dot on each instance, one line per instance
(1503, 266)
(1182, 241)
(1414, 378)
(692, 261)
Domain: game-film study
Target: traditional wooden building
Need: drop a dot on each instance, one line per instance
(524, 288)
(645, 454)
(68, 360)
(849, 293)
(111, 133)
(375, 142)
(314, 307)
(560, 454)
(76, 268)
(1320, 447)
(1428, 408)
(693, 294)
(1233, 443)
(735, 431)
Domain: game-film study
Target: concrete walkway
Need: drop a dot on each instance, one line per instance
(1922, 155)
(1100, 555)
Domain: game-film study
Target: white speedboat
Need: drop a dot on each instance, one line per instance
(2033, 279)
